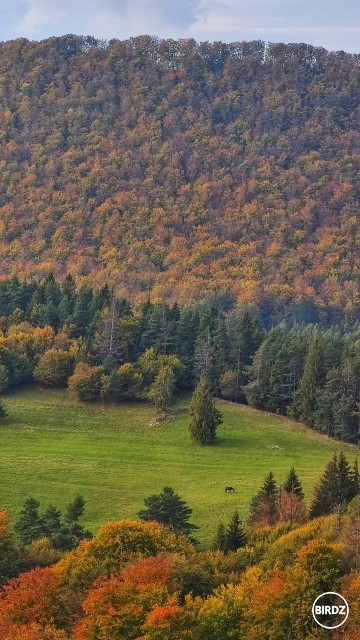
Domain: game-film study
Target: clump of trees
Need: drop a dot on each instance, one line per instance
(103, 348)
(63, 532)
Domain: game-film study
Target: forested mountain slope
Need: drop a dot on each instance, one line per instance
(180, 169)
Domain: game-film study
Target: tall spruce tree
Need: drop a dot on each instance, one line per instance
(205, 418)
(264, 507)
(220, 538)
(292, 484)
(29, 526)
(231, 538)
(235, 535)
(335, 489)
(313, 376)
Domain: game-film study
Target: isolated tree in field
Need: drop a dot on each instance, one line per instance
(169, 509)
(205, 418)
(292, 484)
(264, 507)
(161, 392)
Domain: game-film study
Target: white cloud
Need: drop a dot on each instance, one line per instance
(321, 22)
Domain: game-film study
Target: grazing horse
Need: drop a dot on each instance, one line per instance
(229, 490)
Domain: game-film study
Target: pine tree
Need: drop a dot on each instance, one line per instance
(205, 418)
(234, 535)
(162, 390)
(335, 489)
(292, 484)
(51, 521)
(29, 526)
(220, 538)
(169, 509)
(324, 500)
(75, 510)
(264, 506)
(70, 532)
(345, 491)
(312, 377)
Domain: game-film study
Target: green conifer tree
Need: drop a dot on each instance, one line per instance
(312, 377)
(264, 506)
(234, 535)
(292, 484)
(169, 509)
(205, 418)
(51, 521)
(29, 526)
(335, 488)
(220, 538)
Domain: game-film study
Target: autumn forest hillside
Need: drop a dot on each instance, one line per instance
(181, 169)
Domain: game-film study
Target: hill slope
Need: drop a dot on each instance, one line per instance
(53, 449)
(180, 169)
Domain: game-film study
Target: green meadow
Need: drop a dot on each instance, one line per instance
(53, 448)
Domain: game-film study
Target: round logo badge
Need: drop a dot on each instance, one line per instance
(330, 610)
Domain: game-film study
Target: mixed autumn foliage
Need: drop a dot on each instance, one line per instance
(104, 348)
(142, 581)
(182, 170)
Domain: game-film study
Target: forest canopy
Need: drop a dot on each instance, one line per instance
(182, 170)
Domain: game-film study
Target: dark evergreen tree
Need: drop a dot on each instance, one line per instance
(220, 538)
(169, 509)
(51, 520)
(335, 489)
(74, 510)
(234, 535)
(71, 532)
(205, 418)
(81, 317)
(29, 526)
(292, 484)
(264, 506)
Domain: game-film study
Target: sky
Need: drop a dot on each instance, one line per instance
(327, 23)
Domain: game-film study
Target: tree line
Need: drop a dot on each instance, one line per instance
(103, 348)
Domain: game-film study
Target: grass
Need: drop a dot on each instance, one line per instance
(52, 448)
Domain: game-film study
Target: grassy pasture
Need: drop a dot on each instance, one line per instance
(52, 448)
